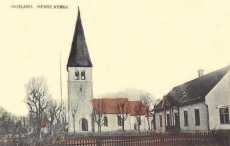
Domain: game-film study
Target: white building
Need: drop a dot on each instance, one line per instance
(200, 104)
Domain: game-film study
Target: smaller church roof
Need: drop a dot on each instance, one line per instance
(111, 105)
(79, 55)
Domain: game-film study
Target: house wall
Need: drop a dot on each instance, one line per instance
(164, 119)
(191, 117)
(217, 97)
(158, 127)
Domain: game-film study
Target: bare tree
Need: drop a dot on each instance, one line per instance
(147, 101)
(74, 111)
(122, 108)
(99, 112)
(139, 110)
(53, 110)
(37, 100)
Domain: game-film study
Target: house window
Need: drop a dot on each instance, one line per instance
(197, 117)
(160, 117)
(185, 118)
(83, 75)
(105, 121)
(168, 120)
(119, 123)
(224, 115)
(76, 75)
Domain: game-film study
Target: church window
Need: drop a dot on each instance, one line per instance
(84, 125)
(83, 75)
(105, 121)
(119, 122)
(76, 75)
(135, 126)
(139, 120)
(80, 89)
(224, 115)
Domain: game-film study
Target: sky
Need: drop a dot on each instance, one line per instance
(150, 45)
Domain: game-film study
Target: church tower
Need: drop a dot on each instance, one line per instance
(80, 90)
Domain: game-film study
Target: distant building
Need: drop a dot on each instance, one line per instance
(43, 126)
(200, 104)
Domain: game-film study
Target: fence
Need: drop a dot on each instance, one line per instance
(221, 137)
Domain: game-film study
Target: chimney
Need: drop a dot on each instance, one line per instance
(200, 72)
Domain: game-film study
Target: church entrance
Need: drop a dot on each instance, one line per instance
(84, 125)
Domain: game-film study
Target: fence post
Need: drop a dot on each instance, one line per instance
(99, 142)
(161, 139)
(228, 138)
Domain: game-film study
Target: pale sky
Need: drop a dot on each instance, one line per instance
(150, 45)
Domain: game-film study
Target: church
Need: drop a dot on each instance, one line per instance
(80, 93)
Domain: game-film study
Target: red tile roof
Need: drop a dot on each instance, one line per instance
(43, 124)
(111, 105)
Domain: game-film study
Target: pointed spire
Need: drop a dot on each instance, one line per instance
(79, 55)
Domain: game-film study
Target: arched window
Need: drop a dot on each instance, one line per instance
(119, 123)
(105, 121)
(76, 75)
(83, 75)
(84, 125)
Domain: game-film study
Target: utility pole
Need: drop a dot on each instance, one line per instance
(62, 115)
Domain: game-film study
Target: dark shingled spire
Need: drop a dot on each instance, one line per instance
(79, 55)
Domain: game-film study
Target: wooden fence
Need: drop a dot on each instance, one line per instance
(192, 138)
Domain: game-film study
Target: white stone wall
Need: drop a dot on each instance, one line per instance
(80, 92)
(217, 97)
(191, 117)
(113, 124)
(129, 123)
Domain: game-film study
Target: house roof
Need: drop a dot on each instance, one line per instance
(196, 89)
(79, 55)
(111, 105)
